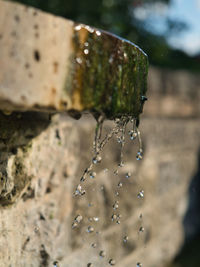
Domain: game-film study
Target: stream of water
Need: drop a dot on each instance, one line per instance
(118, 132)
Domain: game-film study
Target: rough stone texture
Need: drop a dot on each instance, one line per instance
(36, 230)
(52, 64)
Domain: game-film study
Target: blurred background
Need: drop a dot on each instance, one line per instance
(165, 29)
(169, 32)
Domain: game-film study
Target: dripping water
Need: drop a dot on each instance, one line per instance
(119, 131)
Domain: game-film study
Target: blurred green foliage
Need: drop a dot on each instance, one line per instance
(117, 16)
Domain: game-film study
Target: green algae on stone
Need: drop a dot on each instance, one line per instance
(110, 73)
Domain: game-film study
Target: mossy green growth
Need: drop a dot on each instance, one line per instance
(110, 73)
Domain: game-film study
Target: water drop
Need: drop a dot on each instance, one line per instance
(139, 155)
(139, 264)
(55, 264)
(96, 219)
(97, 159)
(79, 60)
(98, 33)
(133, 134)
(120, 184)
(78, 27)
(118, 222)
(78, 218)
(141, 230)
(111, 262)
(125, 239)
(119, 140)
(79, 191)
(92, 175)
(141, 194)
(116, 205)
(74, 225)
(140, 217)
(121, 164)
(114, 217)
(94, 245)
(102, 253)
(91, 30)
(86, 44)
(116, 172)
(116, 193)
(90, 229)
(128, 175)
(82, 179)
(86, 51)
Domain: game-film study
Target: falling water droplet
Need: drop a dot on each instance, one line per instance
(78, 218)
(141, 230)
(141, 194)
(96, 159)
(120, 184)
(96, 219)
(90, 229)
(114, 217)
(79, 60)
(55, 264)
(119, 140)
(125, 239)
(118, 222)
(74, 225)
(79, 191)
(111, 262)
(128, 175)
(121, 164)
(133, 134)
(139, 264)
(116, 205)
(92, 175)
(139, 155)
(86, 44)
(94, 245)
(117, 194)
(116, 172)
(102, 253)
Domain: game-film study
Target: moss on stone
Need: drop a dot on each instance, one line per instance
(111, 74)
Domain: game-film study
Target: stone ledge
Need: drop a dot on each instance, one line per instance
(52, 64)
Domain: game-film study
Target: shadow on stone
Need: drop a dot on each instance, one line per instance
(189, 253)
(16, 134)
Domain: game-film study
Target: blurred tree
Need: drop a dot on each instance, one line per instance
(117, 16)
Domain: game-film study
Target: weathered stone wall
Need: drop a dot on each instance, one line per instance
(51, 154)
